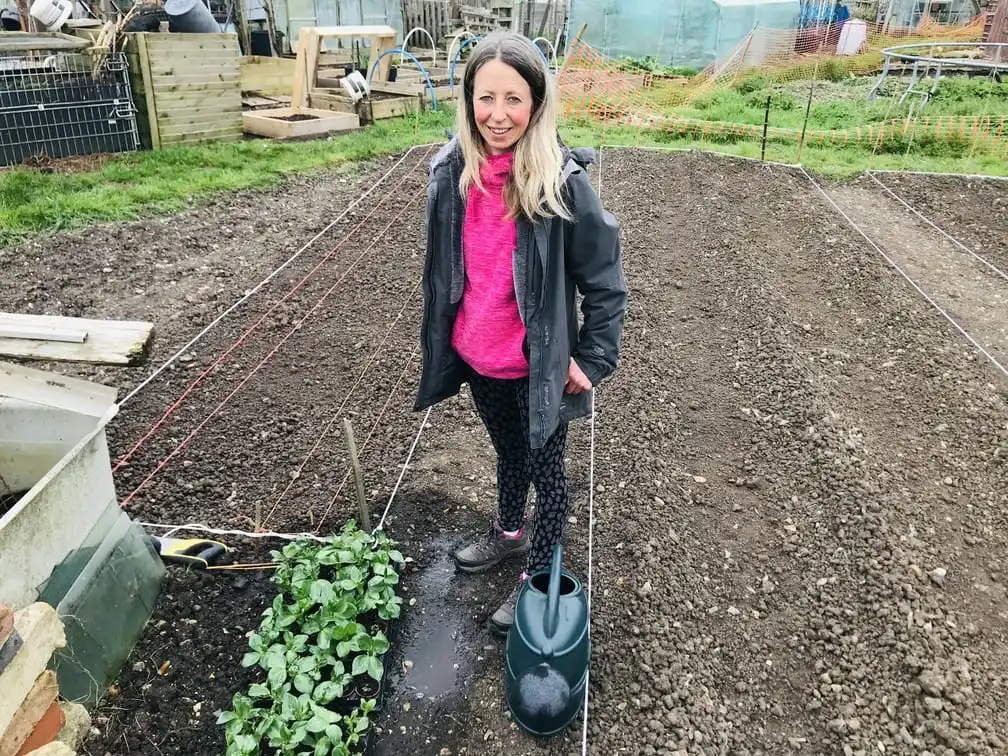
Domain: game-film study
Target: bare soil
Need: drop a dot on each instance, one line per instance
(800, 483)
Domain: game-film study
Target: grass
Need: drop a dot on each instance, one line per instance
(143, 183)
(138, 184)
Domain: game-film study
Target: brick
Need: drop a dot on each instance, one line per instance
(45, 731)
(41, 633)
(39, 700)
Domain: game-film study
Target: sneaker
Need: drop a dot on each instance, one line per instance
(493, 549)
(503, 618)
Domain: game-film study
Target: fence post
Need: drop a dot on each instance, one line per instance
(808, 109)
(766, 124)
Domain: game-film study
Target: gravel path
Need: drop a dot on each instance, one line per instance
(801, 483)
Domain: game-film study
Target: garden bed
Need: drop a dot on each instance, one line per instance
(770, 474)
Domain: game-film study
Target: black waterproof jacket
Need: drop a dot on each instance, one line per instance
(555, 259)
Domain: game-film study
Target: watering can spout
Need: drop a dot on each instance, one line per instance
(551, 620)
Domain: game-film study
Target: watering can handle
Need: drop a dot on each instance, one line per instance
(552, 619)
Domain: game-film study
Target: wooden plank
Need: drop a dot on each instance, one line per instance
(42, 634)
(201, 123)
(189, 80)
(172, 101)
(36, 704)
(183, 136)
(54, 390)
(169, 41)
(109, 342)
(148, 87)
(343, 32)
(41, 333)
(268, 76)
(300, 86)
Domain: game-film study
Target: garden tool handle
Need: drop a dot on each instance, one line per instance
(552, 619)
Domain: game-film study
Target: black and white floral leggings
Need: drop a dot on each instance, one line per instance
(503, 406)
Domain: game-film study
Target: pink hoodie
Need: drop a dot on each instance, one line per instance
(489, 334)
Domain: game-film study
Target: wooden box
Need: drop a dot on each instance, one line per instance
(187, 87)
(297, 123)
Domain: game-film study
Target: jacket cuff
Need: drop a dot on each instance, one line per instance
(591, 371)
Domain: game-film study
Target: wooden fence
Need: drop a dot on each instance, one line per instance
(445, 18)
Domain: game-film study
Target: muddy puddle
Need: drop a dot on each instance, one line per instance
(440, 646)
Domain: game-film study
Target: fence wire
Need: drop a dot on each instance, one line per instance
(64, 104)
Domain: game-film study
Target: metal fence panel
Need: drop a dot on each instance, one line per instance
(64, 104)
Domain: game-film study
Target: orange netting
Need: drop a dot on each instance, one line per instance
(598, 90)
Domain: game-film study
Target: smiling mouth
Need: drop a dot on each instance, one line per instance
(499, 132)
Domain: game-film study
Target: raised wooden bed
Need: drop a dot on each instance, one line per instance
(187, 88)
(296, 123)
(418, 88)
(380, 105)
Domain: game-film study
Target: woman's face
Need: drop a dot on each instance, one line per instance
(502, 106)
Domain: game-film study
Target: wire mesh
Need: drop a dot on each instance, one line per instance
(64, 104)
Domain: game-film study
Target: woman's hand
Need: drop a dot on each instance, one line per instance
(577, 381)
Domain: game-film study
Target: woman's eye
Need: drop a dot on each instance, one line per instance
(514, 100)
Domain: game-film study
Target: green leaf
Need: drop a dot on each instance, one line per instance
(322, 746)
(346, 557)
(277, 676)
(258, 690)
(250, 659)
(345, 647)
(303, 684)
(374, 667)
(246, 744)
(321, 592)
(334, 733)
(325, 639)
(223, 717)
(361, 725)
(360, 665)
(327, 692)
(256, 642)
(396, 557)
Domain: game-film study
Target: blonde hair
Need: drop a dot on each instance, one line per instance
(534, 186)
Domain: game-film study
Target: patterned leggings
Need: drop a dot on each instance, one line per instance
(503, 406)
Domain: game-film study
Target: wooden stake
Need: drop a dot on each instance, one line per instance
(365, 515)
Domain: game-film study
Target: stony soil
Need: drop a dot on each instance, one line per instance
(973, 210)
(800, 480)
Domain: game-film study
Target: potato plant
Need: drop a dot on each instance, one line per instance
(320, 647)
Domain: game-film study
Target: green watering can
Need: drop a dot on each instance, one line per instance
(548, 650)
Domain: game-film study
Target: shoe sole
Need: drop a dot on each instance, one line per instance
(478, 568)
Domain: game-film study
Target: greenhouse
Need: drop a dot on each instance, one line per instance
(690, 33)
